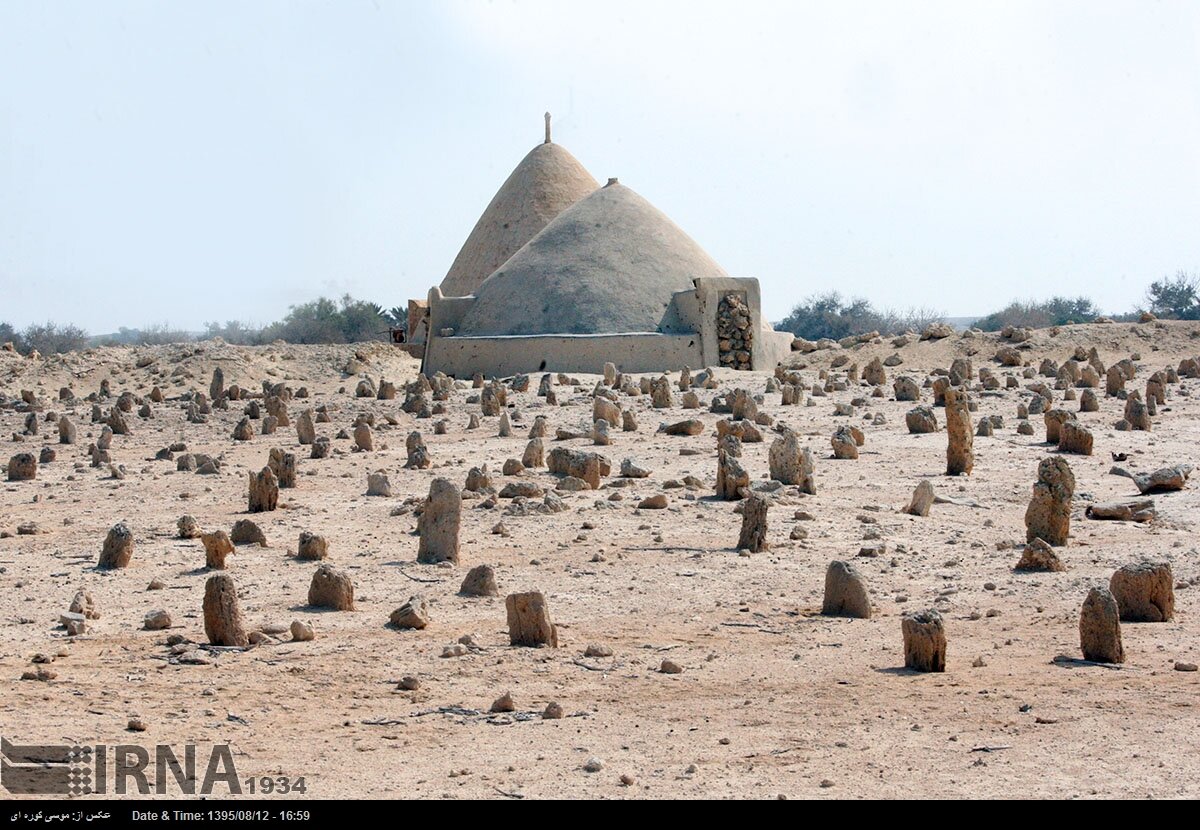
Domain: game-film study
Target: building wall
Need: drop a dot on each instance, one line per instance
(631, 352)
(418, 319)
(770, 347)
(461, 357)
(773, 347)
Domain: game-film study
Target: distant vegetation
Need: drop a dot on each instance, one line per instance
(821, 315)
(1175, 298)
(321, 321)
(1057, 311)
(828, 315)
(153, 335)
(46, 338)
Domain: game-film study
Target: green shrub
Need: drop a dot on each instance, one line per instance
(1057, 311)
(1175, 298)
(828, 315)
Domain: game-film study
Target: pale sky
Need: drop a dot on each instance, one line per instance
(185, 161)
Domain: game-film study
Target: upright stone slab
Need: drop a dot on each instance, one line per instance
(534, 455)
(22, 467)
(529, 620)
(1055, 419)
(480, 581)
(413, 614)
(1144, 592)
(754, 524)
(1114, 381)
(1049, 514)
(246, 532)
(331, 588)
(378, 484)
(312, 547)
(263, 491)
(921, 420)
(906, 389)
(306, 430)
(439, 523)
(1100, 628)
(364, 439)
(875, 374)
(1075, 438)
(588, 466)
(922, 499)
(924, 641)
(418, 453)
(1039, 556)
(1137, 413)
(604, 409)
(118, 547)
(321, 448)
(216, 389)
(222, 616)
(217, 546)
(283, 465)
(243, 431)
(843, 444)
(67, 431)
(791, 463)
(845, 592)
(188, 527)
(276, 406)
(960, 455)
(661, 396)
(489, 401)
(732, 479)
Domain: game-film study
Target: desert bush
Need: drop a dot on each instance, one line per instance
(1175, 298)
(235, 332)
(326, 321)
(52, 338)
(320, 321)
(828, 315)
(1057, 311)
(8, 334)
(157, 334)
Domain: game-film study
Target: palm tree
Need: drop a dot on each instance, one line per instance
(397, 316)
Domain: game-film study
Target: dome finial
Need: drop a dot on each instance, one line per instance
(547, 128)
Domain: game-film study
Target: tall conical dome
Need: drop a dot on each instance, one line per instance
(546, 182)
(610, 263)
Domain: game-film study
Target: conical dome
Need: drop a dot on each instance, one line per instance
(610, 263)
(546, 182)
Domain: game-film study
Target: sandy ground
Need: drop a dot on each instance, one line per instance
(773, 700)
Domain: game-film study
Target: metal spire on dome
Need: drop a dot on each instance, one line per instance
(548, 128)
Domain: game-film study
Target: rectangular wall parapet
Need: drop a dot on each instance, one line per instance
(526, 354)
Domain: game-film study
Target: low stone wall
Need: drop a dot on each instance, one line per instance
(461, 357)
(772, 348)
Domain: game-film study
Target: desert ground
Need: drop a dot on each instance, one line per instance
(772, 700)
